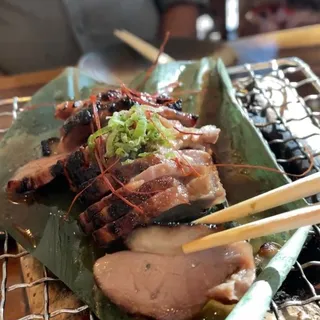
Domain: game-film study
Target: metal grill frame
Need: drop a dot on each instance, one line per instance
(280, 69)
(238, 73)
(44, 280)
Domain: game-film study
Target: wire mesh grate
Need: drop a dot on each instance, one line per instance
(45, 280)
(294, 75)
(298, 88)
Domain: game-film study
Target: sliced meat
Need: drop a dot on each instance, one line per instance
(75, 166)
(194, 156)
(163, 283)
(171, 243)
(199, 193)
(186, 119)
(36, 173)
(108, 204)
(194, 138)
(169, 102)
(98, 188)
(152, 208)
(234, 287)
(78, 169)
(174, 168)
(66, 109)
(207, 187)
(77, 136)
(49, 147)
(147, 169)
(110, 95)
(76, 129)
(111, 208)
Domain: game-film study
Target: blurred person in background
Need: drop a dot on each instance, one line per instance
(43, 34)
(259, 16)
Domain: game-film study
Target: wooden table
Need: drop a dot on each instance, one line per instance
(303, 43)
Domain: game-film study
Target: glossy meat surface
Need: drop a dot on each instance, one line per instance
(157, 280)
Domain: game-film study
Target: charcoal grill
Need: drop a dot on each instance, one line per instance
(295, 75)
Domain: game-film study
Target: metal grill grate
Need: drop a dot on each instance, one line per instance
(286, 70)
(295, 76)
(44, 280)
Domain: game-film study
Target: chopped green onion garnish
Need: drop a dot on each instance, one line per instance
(130, 134)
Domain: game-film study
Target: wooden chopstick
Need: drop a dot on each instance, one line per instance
(143, 47)
(4, 102)
(299, 189)
(283, 222)
(225, 52)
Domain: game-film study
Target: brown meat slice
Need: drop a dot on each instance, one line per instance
(79, 169)
(195, 138)
(186, 119)
(36, 173)
(95, 190)
(152, 172)
(172, 168)
(202, 192)
(77, 137)
(152, 208)
(157, 280)
(234, 287)
(205, 191)
(171, 243)
(196, 156)
(147, 168)
(49, 147)
(66, 109)
(207, 187)
(76, 129)
(108, 203)
(111, 207)
(76, 167)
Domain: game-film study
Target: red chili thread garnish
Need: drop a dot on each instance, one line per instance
(133, 191)
(249, 166)
(164, 137)
(96, 119)
(185, 92)
(92, 127)
(90, 184)
(172, 85)
(184, 132)
(180, 166)
(155, 63)
(113, 190)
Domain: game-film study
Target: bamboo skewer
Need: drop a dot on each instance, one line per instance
(143, 47)
(226, 52)
(309, 215)
(299, 189)
(283, 222)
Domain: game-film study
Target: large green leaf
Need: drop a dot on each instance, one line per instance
(59, 244)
